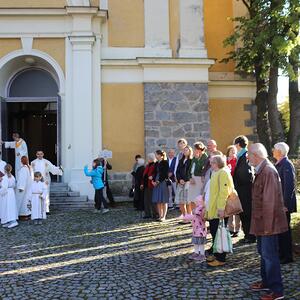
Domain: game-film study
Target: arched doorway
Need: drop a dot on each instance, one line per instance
(32, 108)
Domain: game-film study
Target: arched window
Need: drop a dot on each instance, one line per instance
(33, 82)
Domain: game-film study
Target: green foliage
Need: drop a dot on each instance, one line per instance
(284, 110)
(266, 36)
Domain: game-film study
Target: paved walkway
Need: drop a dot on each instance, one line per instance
(82, 255)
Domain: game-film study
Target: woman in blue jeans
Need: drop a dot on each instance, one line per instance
(97, 182)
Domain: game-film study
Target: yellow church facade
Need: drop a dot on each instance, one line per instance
(131, 76)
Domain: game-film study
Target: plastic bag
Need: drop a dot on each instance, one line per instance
(223, 242)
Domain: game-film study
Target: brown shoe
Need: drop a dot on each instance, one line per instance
(258, 286)
(216, 263)
(272, 296)
(210, 258)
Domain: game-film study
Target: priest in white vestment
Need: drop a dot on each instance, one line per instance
(20, 150)
(24, 188)
(45, 167)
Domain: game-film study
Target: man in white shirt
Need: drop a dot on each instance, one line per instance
(45, 167)
(20, 150)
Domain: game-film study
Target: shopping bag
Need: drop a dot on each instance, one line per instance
(223, 242)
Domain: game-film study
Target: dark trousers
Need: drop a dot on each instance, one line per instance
(99, 198)
(246, 223)
(285, 242)
(148, 203)
(109, 194)
(213, 227)
(270, 271)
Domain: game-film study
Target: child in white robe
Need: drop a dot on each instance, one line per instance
(23, 195)
(38, 199)
(8, 199)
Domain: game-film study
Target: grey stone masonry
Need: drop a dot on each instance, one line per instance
(175, 110)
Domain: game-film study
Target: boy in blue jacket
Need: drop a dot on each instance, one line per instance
(97, 182)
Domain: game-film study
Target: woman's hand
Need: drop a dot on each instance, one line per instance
(150, 177)
(181, 181)
(141, 187)
(192, 181)
(153, 183)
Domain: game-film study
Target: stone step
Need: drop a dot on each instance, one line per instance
(64, 194)
(60, 189)
(59, 184)
(68, 199)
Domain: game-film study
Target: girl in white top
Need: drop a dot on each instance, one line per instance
(38, 199)
(8, 199)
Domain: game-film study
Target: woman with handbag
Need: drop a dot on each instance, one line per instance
(221, 187)
(160, 196)
(150, 210)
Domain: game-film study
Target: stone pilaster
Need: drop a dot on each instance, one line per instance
(192, 29)
(157, 34)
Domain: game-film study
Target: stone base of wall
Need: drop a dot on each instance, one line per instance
(175, 110)
(120, 183)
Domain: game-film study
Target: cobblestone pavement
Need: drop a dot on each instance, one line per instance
(82, 255)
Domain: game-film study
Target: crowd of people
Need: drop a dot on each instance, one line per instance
(28, 193)
(200, 180)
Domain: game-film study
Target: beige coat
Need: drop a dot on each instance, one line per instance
(268, 211)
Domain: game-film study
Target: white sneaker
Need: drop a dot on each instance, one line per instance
(5, 225)
(105, 210)
(97, 211)
(13, 224)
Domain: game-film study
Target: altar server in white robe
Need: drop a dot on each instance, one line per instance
(20, 147)
(2, 164)
(45, 167)
(8, 198)
(38, 199)
(3, 191)
(24, 182)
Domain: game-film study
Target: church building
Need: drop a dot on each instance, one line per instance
(130, 76)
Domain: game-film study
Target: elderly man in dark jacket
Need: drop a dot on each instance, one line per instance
(243, 178)
(268, 221)
(287, 175)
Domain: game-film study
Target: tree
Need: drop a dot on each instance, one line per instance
(266, 40)
(294, 94)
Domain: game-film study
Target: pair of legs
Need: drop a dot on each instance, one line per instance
(285, 243)
(99, 199)
(234, 223)
(162, 209)
(213, 225)
(186, 209)
(270, 271)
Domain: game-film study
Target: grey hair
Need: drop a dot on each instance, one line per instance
(220, 160)
(151, 156)
(283, 148)
(260, 150)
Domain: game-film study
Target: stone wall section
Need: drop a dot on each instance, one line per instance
(175, 110)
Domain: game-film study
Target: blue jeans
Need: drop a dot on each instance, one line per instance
(267, 247)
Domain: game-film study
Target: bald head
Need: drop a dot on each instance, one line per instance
(211, 146)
